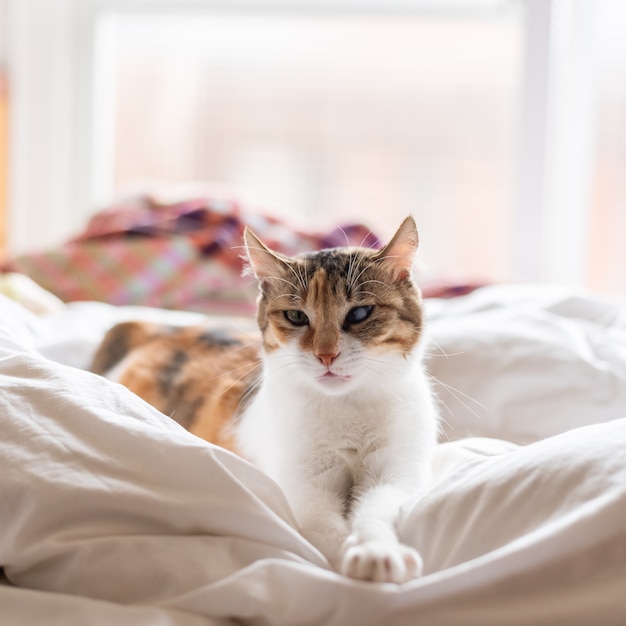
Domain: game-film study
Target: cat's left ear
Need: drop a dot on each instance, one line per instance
(264, 263)
(399, 254)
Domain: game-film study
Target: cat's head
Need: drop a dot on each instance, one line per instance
(342, 318)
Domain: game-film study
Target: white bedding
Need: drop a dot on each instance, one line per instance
(112, 514)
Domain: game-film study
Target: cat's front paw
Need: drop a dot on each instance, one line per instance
(381, 561)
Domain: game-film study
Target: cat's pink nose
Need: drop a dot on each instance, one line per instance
(327, 359)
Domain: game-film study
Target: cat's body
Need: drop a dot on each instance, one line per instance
(199, 376)
(340, 414)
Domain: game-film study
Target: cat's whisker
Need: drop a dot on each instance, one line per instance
(293, 298)
(373, 369)
(306, 269)
(250, 391)
(284, 280)
(386, 364)
(443, 352)
(361, 272)
(234, 370)
(345, 235)
(369, 293)
(372, 245)
(456, 390)
(456, 393)
(386, 257)
(445, 355)
(296, 273)
(251, 368)
(444, 423)
(302, 274)
(378, 282)
(379, 366)
(351, 262)
(238, 380)
(244, 326)
(361, 265)
(290, 367)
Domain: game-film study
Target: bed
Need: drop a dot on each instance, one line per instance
(113, 514)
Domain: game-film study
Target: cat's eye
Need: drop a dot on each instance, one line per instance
(358, 314)
(297, 318)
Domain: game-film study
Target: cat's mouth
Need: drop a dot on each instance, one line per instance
(330, 378)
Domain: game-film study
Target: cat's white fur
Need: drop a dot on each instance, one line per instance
(372, 426)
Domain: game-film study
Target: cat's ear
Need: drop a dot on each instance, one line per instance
(398, 255)
(263, 262)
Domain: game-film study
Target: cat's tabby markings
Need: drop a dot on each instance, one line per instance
(331, 399)
(197, 376)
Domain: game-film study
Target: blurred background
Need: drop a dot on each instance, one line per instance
(500, 125)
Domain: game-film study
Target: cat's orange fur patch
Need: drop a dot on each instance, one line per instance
(196, 375)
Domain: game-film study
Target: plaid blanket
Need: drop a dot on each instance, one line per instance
(178, 255)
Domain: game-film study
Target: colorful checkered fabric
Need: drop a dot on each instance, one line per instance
(182, 255)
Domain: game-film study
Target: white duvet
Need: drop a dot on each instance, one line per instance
(112, 514)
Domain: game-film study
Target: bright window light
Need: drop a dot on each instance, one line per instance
(326, 117)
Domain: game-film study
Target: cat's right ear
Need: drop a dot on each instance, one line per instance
(399, 253)
(262, 262)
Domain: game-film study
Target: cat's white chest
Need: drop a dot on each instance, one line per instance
(314, 437)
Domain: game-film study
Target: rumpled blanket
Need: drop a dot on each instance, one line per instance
(112, 514)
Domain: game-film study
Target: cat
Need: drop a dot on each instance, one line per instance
(332, 401)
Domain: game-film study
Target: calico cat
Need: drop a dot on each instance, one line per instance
(331, 401)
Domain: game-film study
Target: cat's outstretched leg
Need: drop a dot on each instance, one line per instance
(372, 551)
(320, 517)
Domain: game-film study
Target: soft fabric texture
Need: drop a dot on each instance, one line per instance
(113, 514)
(522, 363)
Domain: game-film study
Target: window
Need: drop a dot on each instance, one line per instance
(498, 124)
(331, 116)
